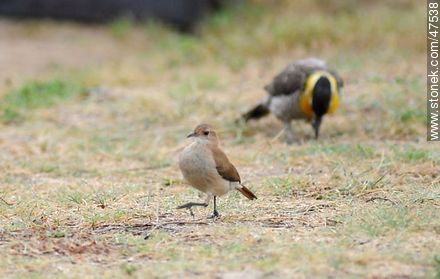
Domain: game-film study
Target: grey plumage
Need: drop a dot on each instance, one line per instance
(283, 93)
(293, 78)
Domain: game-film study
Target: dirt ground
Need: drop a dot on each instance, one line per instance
(89, 183)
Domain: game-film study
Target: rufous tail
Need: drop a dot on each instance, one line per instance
(247, 193)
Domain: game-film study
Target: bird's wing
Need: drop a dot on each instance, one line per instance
(293, 77)
(338, 78)
(314, 64)
(224, 167)
(229, 172)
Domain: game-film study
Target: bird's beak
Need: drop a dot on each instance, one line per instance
(190, 135)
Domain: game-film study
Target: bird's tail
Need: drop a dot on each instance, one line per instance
(256, 113)
(247, 193)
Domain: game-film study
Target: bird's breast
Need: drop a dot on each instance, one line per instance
(308, 95)
(199, 169)
(196, 159)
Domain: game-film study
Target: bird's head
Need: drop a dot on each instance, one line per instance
(320, 97)
(204, 132)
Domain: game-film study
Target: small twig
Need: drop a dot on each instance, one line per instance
(147, 229)
(378, 180)
(277, 136)
(363, 172)
(331, 222)
(311, 208)
(370, 192)
(380, 198)
(7, 203)
(422, 200)
(382, 158)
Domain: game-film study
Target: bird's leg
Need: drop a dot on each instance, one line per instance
(215, 213)
(290, 137)
(316, 123)
(191, 204)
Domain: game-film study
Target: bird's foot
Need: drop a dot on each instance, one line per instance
(189, 206)
(215, 215)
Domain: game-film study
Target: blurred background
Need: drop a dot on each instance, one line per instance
(174, 47)
(182, 15)
(96, 98)
(39, 35)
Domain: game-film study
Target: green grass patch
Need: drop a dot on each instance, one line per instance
(189, 87)
(55, 233)
(409, 115)
(262, 34)
(279, 185)
(34, 95)
(437, 266)
(358, 150)
(355, 186)
(413, 154)
(391, 220)
(121, 27)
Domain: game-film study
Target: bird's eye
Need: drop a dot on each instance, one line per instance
(206, 133)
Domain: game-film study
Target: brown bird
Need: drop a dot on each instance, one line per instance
(205, 167)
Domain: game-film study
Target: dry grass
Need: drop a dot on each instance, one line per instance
(89, 182)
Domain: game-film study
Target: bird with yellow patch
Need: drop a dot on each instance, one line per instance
(306, 89)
